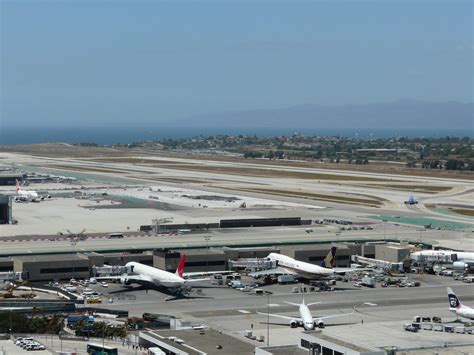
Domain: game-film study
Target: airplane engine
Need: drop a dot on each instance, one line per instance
(125, 281)
(463, 266)
(319, 323)
(293, 323)
(186, 289)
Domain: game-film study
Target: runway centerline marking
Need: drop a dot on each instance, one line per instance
(370, 304)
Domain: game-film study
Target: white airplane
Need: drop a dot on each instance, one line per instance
(143, 274)
(289, 266)
(26, 195)
(442, 255)
(457, 307)
(305, 319)
(460, 260)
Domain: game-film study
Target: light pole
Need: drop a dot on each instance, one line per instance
(207, 238)
(268, 319)
(73, 244)
(421, 230)
(384, 229)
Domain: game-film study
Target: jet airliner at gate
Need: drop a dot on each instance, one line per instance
(289, 266)
(141, 274)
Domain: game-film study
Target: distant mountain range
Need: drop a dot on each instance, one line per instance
(402, 114)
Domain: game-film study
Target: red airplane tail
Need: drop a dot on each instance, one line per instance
(17, 186)
(180, 269)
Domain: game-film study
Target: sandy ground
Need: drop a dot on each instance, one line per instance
(161, 188)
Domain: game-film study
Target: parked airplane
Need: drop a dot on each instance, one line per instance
(25, 195)
(305, 319)
(28, 195)
(442, 255)
(143, 274)
(289, 266)
(457, 307)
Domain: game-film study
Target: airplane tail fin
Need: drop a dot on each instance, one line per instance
(454, 302)
(180, 269)
(330, 259)
(17, 185)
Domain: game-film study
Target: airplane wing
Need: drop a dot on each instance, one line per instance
(276, 271)
(133, 278)
(335, 315)
(15, 308)
(299, 304)
(187, 275)
(292, 303)
(190, 281)
(280, 316)
(343, 270)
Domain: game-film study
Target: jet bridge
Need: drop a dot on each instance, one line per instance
(252, 264)
(10, 276)
(107, 270)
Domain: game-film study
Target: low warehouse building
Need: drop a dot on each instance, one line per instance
(46, 267)
(392, 253)
(196, 260)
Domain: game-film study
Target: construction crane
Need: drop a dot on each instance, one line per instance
(74, 237)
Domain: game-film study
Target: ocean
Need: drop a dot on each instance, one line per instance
(128, 135)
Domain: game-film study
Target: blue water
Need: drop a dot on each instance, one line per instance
(127, 135)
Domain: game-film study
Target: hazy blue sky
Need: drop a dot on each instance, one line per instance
(142, 62)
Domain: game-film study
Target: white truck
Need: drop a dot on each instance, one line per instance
(286, 279)
(368, 281)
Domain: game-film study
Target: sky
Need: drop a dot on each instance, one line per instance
(121, 63)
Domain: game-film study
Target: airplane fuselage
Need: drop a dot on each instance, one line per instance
(306, 317)
(306, 270)
(464, 311)
(442, 255)
(28, 195)
(154, 275)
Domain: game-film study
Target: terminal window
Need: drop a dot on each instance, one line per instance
(57, 270)
(204, 263)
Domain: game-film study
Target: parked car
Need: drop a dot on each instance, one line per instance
(410, 328)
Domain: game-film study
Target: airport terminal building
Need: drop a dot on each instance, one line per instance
(82, 265)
